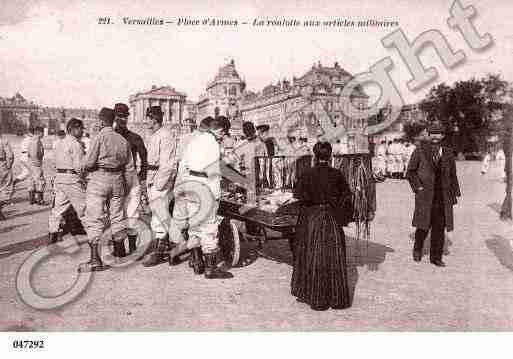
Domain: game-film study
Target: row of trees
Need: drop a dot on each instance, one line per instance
(467, 109)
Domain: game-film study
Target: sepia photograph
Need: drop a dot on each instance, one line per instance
(254, 166)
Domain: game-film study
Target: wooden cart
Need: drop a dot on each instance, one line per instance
(284, 218)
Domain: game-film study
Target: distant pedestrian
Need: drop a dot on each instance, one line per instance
(36, 154)
(485, 163)
(432, 176)
(69, 183)
(6, 176)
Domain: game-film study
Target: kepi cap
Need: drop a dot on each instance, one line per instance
(121, 110)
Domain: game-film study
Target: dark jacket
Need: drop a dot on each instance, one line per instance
(138, 148)
(323, 184)
(421, 173)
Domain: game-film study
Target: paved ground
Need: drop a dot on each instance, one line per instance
(391, 292)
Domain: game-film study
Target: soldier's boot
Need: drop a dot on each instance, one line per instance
(95, 264)
(196, 262)
(54, 237)
(31, 197)
(211, 269)
(132, 243)
(119, 250)
(2, 217)
(158, 254)
(40, 198)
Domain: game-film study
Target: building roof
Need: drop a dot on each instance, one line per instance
(158, 92)
(226, 73)
(17, 100)
(335, 73)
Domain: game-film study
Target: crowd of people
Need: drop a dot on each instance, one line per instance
(111, 174)
(392, 158)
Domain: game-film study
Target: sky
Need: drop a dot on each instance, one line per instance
(55, 53)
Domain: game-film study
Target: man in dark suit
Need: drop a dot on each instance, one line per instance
(432, 176)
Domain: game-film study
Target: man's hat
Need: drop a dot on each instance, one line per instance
(154, 111)
(121, 110)
(106, 114)
(436, 129)
(263, 128)
(226, 123)
(74, 123)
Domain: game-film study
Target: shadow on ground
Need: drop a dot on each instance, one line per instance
(29, 245)
(25, 214)
(496, 207)
(10, 228)
(359, 253)
(501, 248)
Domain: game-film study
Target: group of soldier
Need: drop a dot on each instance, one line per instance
(117, 171)
(391, 159)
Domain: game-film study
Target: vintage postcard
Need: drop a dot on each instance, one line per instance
(341, 166)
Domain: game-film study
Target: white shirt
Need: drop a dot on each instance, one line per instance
(24, 147)
(87, 143)
(203, 154)
(381, 150)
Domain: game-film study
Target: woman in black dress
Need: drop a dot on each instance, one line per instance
(319, 276)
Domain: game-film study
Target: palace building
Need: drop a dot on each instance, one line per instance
(307, 104)
(171, 101)
(223, 95)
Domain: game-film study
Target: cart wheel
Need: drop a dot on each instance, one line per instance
(229, 242)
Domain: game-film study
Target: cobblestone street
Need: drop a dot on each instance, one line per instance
(391, 291)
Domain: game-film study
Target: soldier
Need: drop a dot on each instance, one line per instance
(69, 182)
(36, 152)
(25, 171)
(6, 178)
(138, 150)
(111, 166)
(160, 181)
(201, 164)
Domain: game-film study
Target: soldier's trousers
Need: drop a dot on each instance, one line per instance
(105, 191)
(67, 195)
(202, 230)
(25, 169)
(37, 179)
(132, 202)
(6, 182)
(159, 205)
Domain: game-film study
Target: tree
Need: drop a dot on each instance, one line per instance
(413, 129)
(468, 106)
(507, 137)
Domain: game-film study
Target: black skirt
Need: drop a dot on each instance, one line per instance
(319, 276)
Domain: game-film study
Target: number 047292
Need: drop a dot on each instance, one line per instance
(28, 344)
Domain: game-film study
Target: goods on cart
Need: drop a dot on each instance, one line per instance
(276, 209)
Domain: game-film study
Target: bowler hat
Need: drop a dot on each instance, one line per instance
(154, 111)
(106, 114)
(436, 129)
(121, 110)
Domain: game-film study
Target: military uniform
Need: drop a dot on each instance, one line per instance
(112, 173)
(36, 153)
(197, 198)
(160, 179)
(25, 172)
(69, 183)
(6, 177)
(133, 199)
